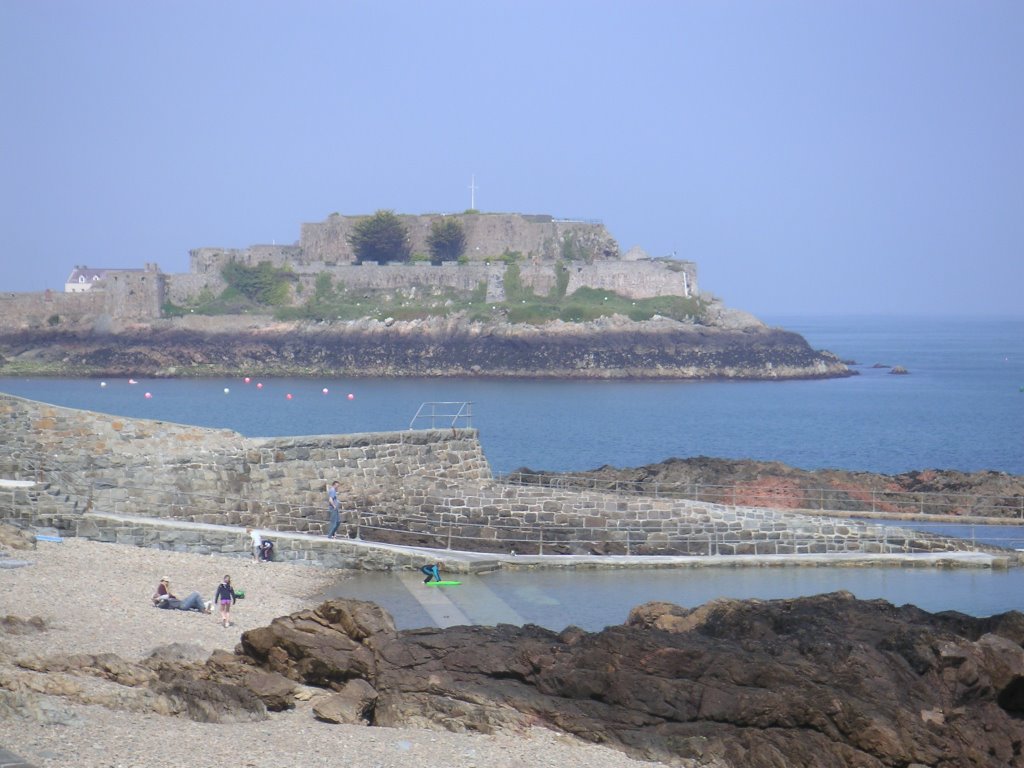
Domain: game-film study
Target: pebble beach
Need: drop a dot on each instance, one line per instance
(95, 598)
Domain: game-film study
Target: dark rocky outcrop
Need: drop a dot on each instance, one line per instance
(827, 680)
(608, 348)
(820, 681)
(770, 483)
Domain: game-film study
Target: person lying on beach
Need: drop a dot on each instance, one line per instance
(164, 598)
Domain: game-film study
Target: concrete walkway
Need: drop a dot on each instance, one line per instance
(475, 562)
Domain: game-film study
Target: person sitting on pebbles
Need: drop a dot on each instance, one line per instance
(164, 598)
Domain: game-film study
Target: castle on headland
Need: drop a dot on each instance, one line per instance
(541, 246)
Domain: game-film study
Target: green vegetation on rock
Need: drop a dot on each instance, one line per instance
(268, 290)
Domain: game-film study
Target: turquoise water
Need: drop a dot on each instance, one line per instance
(961, 407)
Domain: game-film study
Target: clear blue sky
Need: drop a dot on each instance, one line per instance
(811, 157)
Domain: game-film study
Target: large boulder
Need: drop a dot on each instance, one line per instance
(353, 704)
(12, 537)
(325, 646)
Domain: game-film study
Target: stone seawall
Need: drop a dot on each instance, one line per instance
(84, 460)
(430, 488)
(501, 518)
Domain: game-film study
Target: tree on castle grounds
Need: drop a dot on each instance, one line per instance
(446, 241)
(381, 238)
(263, 284)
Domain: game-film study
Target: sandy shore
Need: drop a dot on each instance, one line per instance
(94, 598)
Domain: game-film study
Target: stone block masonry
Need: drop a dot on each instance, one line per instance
(85, 461)
(429, 488)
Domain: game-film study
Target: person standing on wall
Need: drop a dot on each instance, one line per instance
(333, 509)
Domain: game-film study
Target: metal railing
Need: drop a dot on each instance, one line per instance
(848, 501)
(450, 414)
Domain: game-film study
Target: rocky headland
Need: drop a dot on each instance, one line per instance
(610, 347)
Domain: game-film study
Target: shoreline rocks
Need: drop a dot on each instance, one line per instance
(823, 680)
(777, 485)
(608, 348)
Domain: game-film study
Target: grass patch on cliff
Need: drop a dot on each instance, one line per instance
(589, 304)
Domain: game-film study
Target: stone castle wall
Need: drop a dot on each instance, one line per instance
(426, 488)
(124, 296)
(488, 236)
(24, 311)
(586, 249)
(633, 279)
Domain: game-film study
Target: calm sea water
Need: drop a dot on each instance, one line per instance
(961, 407)
(593, 600)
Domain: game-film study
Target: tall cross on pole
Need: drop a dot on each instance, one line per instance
(472, 192)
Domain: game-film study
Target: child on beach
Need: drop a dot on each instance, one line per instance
(224, 598)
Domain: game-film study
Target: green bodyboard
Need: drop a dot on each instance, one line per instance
(443, 583)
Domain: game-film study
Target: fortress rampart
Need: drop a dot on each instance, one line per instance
(544, 246)
(488, 236)
(430, 488)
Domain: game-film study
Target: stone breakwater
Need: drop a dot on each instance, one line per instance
(608, 348)
(429, 488)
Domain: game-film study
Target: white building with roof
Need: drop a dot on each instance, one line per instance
(82, 279)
